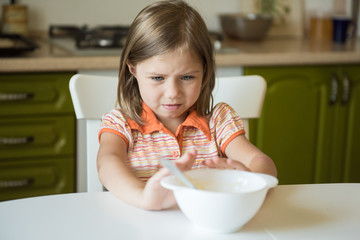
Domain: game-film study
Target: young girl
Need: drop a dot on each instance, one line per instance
(165, 110)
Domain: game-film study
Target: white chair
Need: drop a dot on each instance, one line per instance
(92, 96)
(95, 95)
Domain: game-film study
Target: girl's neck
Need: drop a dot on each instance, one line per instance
(172, 127)
(173, 124)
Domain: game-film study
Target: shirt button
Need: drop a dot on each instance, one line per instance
(175, 154)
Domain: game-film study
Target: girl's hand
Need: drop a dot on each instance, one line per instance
(155, 197)
(225, 163)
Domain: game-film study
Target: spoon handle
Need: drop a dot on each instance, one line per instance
(176, 171)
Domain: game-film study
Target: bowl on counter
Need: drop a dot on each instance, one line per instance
(223, 200)
(249, 26)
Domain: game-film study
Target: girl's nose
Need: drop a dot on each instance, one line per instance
(172, 88)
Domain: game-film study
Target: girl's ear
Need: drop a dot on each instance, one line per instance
(132, 68)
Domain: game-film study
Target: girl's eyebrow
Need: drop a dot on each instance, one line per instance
(192, 72)
(153, 73)
(158, 73)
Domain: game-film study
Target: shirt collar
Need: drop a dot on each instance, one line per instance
(152, 124)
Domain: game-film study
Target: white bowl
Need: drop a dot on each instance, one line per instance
(224, 200)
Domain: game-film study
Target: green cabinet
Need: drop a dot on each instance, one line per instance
(308, 124)
(29, 177)
(349, 114)
(37, 135)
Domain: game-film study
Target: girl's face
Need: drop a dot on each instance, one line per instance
(170, 84)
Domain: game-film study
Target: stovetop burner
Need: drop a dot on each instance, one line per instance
(97, 37)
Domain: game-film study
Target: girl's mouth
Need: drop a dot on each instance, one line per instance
(171, 107)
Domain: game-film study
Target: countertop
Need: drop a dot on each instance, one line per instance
(270, 52)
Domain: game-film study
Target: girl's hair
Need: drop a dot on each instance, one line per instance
(160, 28)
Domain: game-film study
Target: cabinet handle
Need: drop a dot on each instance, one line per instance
(16, 183)
(334, 89)
(346, 89)
(16, 140)
(16, 96)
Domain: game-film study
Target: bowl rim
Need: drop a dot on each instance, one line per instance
(166, 182)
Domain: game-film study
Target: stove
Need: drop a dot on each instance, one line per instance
(86, 41)
(98, 37)
(99, 40)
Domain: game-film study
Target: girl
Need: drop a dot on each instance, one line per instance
(165, 110)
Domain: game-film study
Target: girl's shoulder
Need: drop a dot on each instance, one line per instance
(115, 115)
(224, 114)
(223, 110)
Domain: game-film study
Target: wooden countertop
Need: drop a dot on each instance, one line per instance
(272, 52)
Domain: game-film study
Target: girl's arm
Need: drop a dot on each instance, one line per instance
(243, 155)
(118, 178)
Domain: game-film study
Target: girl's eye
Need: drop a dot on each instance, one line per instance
(187, 77)
(157, 78)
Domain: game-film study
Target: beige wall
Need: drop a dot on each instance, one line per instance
(42, 13)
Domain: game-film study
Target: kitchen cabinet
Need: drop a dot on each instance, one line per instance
(37, 135)
(310, 121)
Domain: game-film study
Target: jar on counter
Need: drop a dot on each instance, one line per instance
(320, 27)
(15, 19)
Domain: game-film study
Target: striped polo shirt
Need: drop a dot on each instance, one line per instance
(147, 144)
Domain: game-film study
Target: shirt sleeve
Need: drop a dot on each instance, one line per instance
(115, 122)
(226, 125)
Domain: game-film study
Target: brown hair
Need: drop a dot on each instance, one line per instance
(160, 28)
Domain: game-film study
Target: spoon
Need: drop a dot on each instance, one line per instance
(176, 171)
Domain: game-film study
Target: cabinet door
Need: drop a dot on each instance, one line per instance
(40, 136)
(351, 142)
(35, 177)
(289, 128)
(34, 94)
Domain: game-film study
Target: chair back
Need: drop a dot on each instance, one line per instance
(93, 96)
(243, 93)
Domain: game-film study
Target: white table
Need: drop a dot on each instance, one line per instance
(319, 211)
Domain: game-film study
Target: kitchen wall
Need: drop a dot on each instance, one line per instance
(95, 12)
(42, 13)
